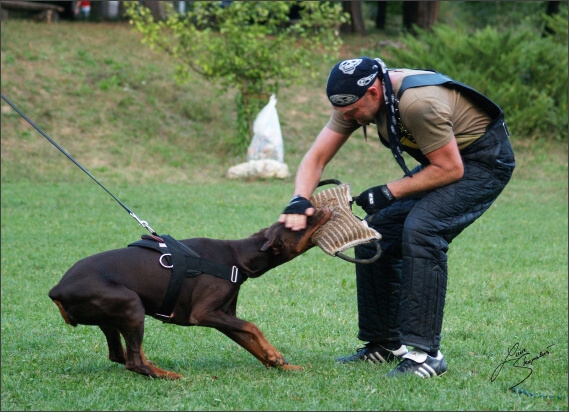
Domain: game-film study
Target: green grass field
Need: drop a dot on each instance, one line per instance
(161, 148)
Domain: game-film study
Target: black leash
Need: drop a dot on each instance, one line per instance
(142, 223)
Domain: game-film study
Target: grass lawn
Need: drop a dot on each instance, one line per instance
(161, 149)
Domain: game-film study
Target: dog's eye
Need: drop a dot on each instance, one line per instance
(278, 242)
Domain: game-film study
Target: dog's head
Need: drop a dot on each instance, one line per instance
(288, 244)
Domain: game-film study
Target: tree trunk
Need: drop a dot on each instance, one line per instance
(380, 17)
(552, 8)
(423, 14)
(157, 9)
(358, 19)
(354, 8)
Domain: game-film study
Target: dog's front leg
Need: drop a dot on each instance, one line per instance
(252, 339)
(245, 334)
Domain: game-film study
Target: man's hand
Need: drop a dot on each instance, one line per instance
(375, 199)
(294, 215)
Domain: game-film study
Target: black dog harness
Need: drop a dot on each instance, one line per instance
(184, 263)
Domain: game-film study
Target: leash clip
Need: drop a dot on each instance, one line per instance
(234, 274)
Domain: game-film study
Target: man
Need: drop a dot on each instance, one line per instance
(460, 139)
(82, 9)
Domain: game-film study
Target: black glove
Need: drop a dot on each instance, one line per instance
(297, 206)
(375, 199)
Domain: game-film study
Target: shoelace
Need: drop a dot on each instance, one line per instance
(406, 364)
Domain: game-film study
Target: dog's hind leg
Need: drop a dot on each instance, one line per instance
(136, 360)
(116, 349)
(160, 373)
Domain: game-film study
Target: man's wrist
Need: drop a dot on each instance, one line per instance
(387, 193)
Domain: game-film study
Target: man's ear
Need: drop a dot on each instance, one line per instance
(375, 91)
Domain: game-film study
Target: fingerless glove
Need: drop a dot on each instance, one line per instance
(297, 206)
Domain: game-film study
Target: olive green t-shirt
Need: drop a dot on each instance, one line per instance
(432, 114)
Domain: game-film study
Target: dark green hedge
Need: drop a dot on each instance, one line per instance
(522, 70)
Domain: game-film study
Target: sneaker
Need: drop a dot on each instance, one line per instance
(419, 363)
(374, 353)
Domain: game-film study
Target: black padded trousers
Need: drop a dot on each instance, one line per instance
(401, 296)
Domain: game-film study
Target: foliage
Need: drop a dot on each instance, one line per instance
(522, 71)
(251, 45)
(558, 24)
(480, 14)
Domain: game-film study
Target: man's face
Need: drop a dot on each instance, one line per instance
(362, 111)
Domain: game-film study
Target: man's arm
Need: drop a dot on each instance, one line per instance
(310, 170)
(445, 167)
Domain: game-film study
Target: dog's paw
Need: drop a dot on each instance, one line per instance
(289, 367)
(172, 376)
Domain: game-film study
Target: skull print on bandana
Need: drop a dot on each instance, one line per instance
(348, 66)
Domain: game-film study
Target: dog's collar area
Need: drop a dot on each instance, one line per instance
(183, 262)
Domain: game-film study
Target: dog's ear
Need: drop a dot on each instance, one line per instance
(275, 243)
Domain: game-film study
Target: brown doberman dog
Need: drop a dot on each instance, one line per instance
(116, 289)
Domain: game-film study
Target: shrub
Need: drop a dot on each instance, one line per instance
(252, 46)
(521, 70)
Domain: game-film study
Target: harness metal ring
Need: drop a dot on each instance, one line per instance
(162, 263)
(234, 273)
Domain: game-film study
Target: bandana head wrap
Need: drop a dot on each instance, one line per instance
(349, 80)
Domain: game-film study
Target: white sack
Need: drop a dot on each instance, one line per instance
(267, 142)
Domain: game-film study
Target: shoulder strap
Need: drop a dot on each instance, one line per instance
(176, 280)
(216, 269)
(150, 244)
(436, 78)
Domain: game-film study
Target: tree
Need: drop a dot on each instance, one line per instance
(157, 9)
(356, 22)
(250, 45)
(422, 14)
(380, 15)
(552, 9)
